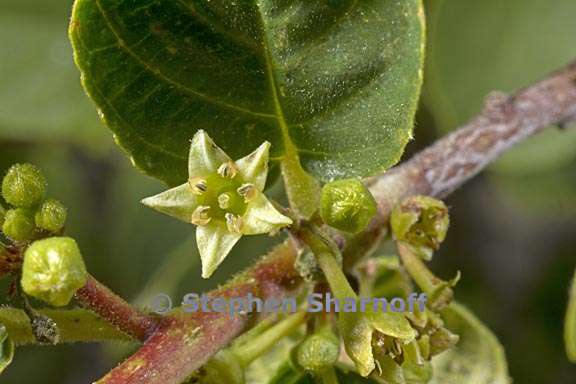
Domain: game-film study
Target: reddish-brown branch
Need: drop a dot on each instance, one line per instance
(182, 344)
(456, 158)
(97, 297)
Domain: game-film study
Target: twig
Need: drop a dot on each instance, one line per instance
(459, 156)
(100, 299)
(74, 325)
(183, 344)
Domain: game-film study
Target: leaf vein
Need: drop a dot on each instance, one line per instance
(158, 73)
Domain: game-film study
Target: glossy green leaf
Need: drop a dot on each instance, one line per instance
(477, 358)
(333, 85)
(570, 323)
(6, 348)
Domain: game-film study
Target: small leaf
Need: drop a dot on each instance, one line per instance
(477, 358)
(570, 323)
(6, 348)
(333, 86)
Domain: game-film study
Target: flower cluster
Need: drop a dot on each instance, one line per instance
(52, 269)
(30, 215)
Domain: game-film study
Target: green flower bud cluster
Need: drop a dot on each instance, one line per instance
(347, 205)
(24, 188)
(53, 270)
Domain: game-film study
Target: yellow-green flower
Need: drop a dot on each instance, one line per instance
(359, 330)
(223, 198)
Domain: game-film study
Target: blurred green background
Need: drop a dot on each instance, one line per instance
(513, 227)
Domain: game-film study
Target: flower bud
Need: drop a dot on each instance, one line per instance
(51, 215)
(421, 222)
(347, 205)
(2, 215)
(318, 351)
(23, 186)
(19, 225)
(442, 340)
(53, 270)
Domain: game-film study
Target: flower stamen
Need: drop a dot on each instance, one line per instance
(247, 191)
(198, 185)
(228, 170)
(234, 223)
(201, 215)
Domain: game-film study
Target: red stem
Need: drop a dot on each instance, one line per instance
(111, 307)
(184, 342)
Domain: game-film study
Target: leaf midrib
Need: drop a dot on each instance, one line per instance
(290, 150)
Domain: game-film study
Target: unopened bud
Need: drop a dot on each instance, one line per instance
(19, 224)
(23, 186)
(318, 351)
(442, 340)
(347, 205)
(51, 215)
(53, 270)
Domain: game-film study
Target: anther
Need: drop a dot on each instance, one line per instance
(228, 170)
(198, 185)
(201, 215)
(247, 191)
(233, 223)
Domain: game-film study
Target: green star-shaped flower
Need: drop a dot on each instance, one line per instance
(223, 198)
